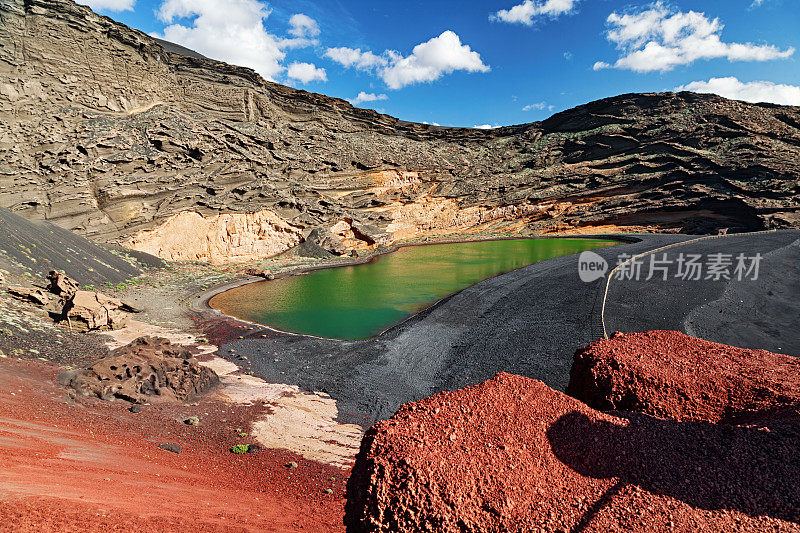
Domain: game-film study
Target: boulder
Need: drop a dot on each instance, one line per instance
(30, 294)
(96, 311)
(257, 273)
(371, 234)
(511, 454)
(62, 285)
(174, 448)
(671, 375)
(325, 239)
(148, 369)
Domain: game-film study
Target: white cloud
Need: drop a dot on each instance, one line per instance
(303, 26)
(354, 57)
(234, 31)
(539, 106)
(601, 65)
(525, 12)
(753, 91)
(431, 123)
(306, 72)
(110, 5)
(303, 30)
(485, 127)
(660, 39)
(367, 97)
(428, 61)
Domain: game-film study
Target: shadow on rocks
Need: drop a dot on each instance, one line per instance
(753, 470)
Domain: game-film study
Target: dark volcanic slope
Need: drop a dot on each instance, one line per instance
(106, 132)
(39, 247)
(530, 322)
(762, 313)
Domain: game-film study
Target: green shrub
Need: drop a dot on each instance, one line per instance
(240, 448)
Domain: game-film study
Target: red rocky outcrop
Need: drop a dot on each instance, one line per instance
(511, 454)
(671, 375)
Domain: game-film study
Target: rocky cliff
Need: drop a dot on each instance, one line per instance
(107, 132)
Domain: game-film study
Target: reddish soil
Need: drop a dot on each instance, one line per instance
(95, 466)
(671, 375)
(511, 454)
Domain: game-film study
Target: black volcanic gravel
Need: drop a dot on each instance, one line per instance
(527, 322)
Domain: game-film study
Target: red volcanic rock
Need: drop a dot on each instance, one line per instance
(511, 454)
(671, 375)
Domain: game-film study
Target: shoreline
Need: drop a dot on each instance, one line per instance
(199, 301)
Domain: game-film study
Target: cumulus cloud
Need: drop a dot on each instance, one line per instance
(303, 30)
(367, 97)
(110, 5)
(302, 26)
(526, 12)
(306, 72)
(485, 127)
(430, 60)
(355, 58)
(539, 106)
(234, 31)
(427, 62)
(660, 39)
(753, 91)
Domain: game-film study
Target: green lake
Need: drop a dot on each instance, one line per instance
(356, 302)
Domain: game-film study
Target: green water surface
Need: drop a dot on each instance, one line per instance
(356, 302)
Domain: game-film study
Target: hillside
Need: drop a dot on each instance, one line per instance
(105, 132)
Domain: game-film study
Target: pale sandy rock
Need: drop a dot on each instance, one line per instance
(61, 285)
(31, 294)
(134, 329)
(189, 236)
(305, 422)
(95, 310)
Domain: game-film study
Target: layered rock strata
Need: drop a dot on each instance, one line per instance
(106, 132)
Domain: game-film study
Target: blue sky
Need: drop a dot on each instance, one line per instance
(490, 62)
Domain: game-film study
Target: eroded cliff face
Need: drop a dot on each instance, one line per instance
(106, 132)
(189, 236)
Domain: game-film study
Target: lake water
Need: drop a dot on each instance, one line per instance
(356, 302)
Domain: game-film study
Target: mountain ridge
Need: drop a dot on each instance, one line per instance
(109, 134)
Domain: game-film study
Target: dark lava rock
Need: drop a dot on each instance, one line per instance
(174, 448)
(145, 370)
(136, 409)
